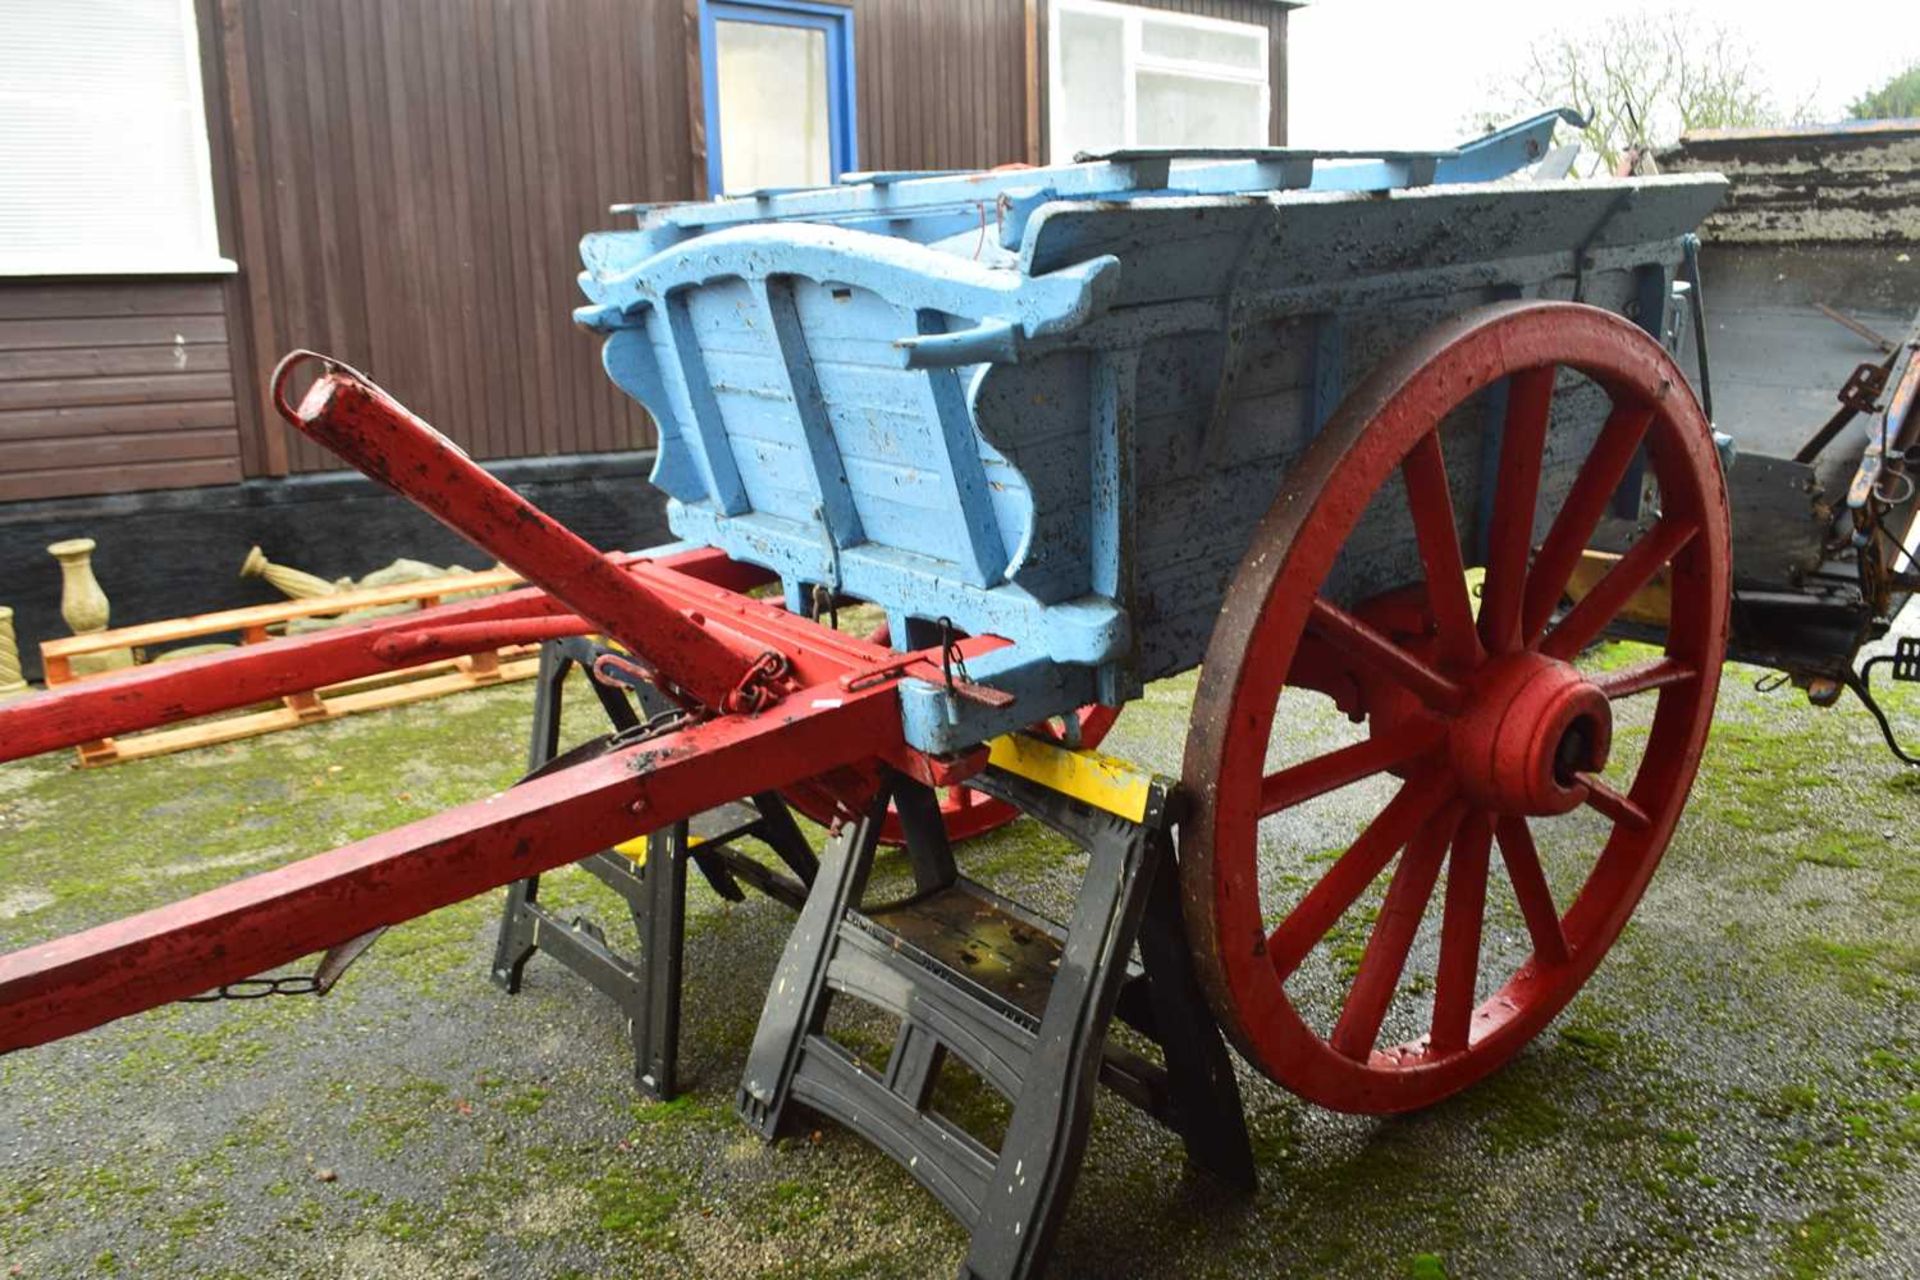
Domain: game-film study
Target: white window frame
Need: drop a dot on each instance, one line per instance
(113, 260)
(1135, 59)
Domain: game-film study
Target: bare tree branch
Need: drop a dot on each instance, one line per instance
(1640, 81)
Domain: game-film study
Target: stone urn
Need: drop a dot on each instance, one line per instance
(84, 605)
(11, 685)
(295, 584)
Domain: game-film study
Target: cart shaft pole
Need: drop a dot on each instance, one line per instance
(384, 440)
(70, 984)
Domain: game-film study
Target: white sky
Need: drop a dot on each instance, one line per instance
(1403, 73)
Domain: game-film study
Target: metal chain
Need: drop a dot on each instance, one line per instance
(755, 692)
(292, 984)
(665, 722)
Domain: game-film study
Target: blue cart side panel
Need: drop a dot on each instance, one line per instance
(814, 388)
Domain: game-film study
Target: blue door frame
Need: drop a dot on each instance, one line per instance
(834, 22)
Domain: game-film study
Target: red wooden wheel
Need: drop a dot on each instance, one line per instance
(1493, 735)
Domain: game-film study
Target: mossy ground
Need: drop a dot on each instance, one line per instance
(1736, 1092)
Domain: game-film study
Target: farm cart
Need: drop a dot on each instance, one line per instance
(1074, 430)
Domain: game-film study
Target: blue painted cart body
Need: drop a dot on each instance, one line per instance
(1052, 404)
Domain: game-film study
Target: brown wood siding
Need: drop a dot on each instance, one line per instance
(941, 83)
(410, 183)
(114, 386)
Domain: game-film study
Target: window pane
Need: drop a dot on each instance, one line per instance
(1183, 111)
(1239, 50)
(1089, 104)
(103, 146)
(775, 123)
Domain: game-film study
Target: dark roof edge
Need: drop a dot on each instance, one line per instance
(1840, 131)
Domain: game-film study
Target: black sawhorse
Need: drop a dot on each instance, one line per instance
(1023, 1003)
(651, 876)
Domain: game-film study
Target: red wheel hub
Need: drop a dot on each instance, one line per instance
(1532, 726)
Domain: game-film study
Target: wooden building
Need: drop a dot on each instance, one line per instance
(193, 187)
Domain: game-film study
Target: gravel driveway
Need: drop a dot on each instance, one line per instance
(1736, 1093)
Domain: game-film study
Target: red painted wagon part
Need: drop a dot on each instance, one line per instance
(778, 701)
(1488, 725)
(70, 984)
(377, 434)
(829, 733)
(149, 697)
(965, 813)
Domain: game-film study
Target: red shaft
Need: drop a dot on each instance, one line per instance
(147, 697)
(378, 435)
(452, 639)
(70, 984)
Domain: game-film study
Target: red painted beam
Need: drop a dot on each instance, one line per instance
(165, 693)
(703, 584)
(440, 640)
(149, 697)
(70, 984)
(377, 434)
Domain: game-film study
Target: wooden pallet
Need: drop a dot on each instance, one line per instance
(389, 689)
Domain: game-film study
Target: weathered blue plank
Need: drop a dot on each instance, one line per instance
(712, 450)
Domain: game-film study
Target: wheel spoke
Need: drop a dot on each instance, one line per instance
(1296, 784)
(1613, 804)
(1357, 868)
(1362, 642)
(1657, 674)
(1385, 958)
(1634, 570)
(1530, 889)
(1466, 905)
(1516, 494)
(1580, 514)
(1431, 502)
